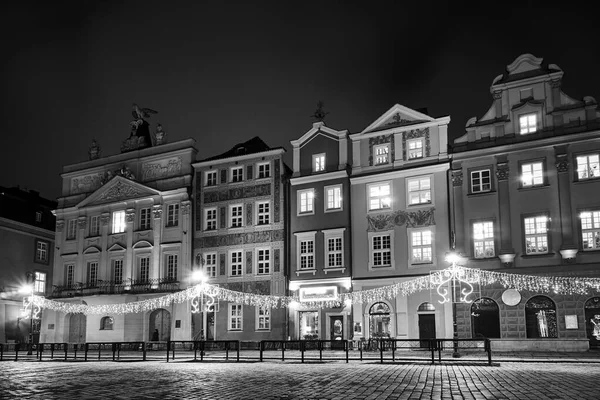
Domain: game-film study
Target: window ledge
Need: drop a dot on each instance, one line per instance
(337, 269)
(304, 214)
(482, 194)
(371, 266)
(541, 255)
(417, 205)
(534, 187)
(334, 210)
(586, 180)
(306, 271)
(263, 178)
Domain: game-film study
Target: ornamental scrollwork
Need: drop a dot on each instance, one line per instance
(60, 225)
(130, 215)
(412, 219)
(104, 219)
(457, 177)
(82, 222)
(502, 171)
(562, 163)
(157, 211)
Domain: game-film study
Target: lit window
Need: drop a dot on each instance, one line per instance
(41, 251)
(305, 201)
(145, 219)
(210, 265)
(236, 263)
(421, 246)
(319, 162)
(483, 239)
(118, 221)
(237, 174)
(264, 171)
(211, 178)
(235, 317)
(92, 273)
(419, 190)
(106, 324)
(263, 261)
(481, 181)
(527, 123)
(263, 318)
(210, 219)
(415, 148)
(381, 154)
(307, 254)
(590, 230)
(334, 198)
(381, 250)
(335, 252)
(173, 215)
(39, 286)
(144, 269)
(172, 267)
(588, 166)
(532, 174)
(117, 267)
(263, 213)
(536, 234)
(379, 196)
(72, 229)
(235, 216)
(69, 275)
(95, 225)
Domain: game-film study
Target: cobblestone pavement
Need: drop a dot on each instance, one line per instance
(293, 380)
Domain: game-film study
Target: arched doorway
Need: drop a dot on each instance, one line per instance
(592, 321)
(426, 312)
(540, 318)
(379, 321)
(160, 319)
(77, 324)
(485, 318)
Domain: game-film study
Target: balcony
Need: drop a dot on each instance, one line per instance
(116, 287)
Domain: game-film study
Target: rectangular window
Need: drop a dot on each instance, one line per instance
(588, 166)
(380, 196)
(263, 318)
(536, 234)
(38, 216)
(41, 251)
(334, 198)
(419, 190)
(118, 221)
(144, 269)
(235, 317)
(415, 148)
(590, 230)
(70, 275)
(421, 246)
(95, 225)
(72, 229)
(236, 263)
(237, 174)
(483, 239)
(307, 254)
(39, 286)
(335, 252)
(172, 267)
(210, 265)
(381, 250)
(532, 174)
(306, 201)
(210, 219)
(381, 154)
(211, 178)
(527, 123)
(92, 273)
(263, 261)
(264, 170)
(145, 219)
(173, 215)
(235, 216)
(481, 181)
(263, 213)
(318, 162)
(117, 270)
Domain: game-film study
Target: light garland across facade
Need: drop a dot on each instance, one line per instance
(435, 280)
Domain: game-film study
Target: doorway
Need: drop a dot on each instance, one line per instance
(426, 329)
(161, 320)
(336, 329)
(592, 321)
(77, 324)
(485, 318)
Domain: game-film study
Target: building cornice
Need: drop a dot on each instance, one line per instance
(403, 173)
(244, 157)
(30, 230)
(301, 180)
(400, 129)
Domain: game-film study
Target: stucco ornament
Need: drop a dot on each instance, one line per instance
(413, 219)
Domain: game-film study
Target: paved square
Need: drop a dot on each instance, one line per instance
(293, 380)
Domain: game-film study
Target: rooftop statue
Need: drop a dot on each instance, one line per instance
(141, 113)
(139, 137)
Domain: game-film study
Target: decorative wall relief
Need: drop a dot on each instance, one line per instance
(502, 171)
(237, 193)
(185, 207)
(162, 169)
(60, 225)
(413, 219)
(82, 222)
(277, 191)
(104, 219)
(397, 120)
(276, 260)
(85, 184)
(222, 216)
(235, 239)
(255, 287)
(562, 163)
(222, 270)
(118, 191)
(415, 134)
(249, 262)
(383, 139)
(130, 215)
(457, 177)
(249, 214)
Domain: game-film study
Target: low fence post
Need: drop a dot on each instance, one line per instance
(168, 349)
(302, 349)
(347, 351)
(52, 351)
(393, 344)
(144, 349)
(75, 351)
(488, 345)
(432, 349)
(202, 348)
(283, 350)
(262, 346)
(380, 341)
(66, 347)
(238, 350)
(1, 351)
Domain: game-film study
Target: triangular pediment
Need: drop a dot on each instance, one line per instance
(397, 116)
(116, 247)
(118, 189)
(319, 128)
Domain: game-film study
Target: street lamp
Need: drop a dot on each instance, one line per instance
(200, 276)
(29, 303)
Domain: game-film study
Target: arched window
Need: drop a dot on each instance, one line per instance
(379, 320)
(106, 324)
(426, 307)
(485, 318)
(540, 318)
(592, 321)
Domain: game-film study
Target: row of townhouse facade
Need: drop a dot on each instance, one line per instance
(358, 211)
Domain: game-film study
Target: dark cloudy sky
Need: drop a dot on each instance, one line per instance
(222, 72)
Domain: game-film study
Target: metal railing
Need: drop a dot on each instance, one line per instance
(202, 346)
(116, 287)
(303, 346)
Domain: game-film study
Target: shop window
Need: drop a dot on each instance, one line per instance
(540, 318)
(379, 320)
(485, 318)
(106, 324)
(309, 325)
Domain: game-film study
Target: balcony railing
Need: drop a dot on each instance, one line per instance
(116, 287)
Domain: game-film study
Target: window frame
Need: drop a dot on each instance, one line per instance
(481, 178)
(239, 217)
(230, 263)
(140, 263)
(485, 239)
(430, 190)
(268, 262)
(145, 220)
(69, 274)
(94, 225)
(238, 317)
(318, 162)
(42, 252)
(208, 220)
(172, 219)
(104, 326)
(118, 224)
(326, 201)
(264, 319)
(534, 216)
(587, 155)
(92, 273)
(305, 237)
(594, 229)
(71, 229)
(266, 215)
(532, 163)
(267, 168)
(171, 267)
(411, 232)
(421, 147)
(113, 267)
(528, 129)
(210, 178)
(210, 269)
(380, 197)
(38, 217)
(39, 283)
(372, 251)
(386, 154)
(333, 234)
(299, 194)
(239, 177)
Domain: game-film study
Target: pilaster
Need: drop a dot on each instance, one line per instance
(564, 198)
(130, 225)
(506, 253)
(156, 232)
(458, 210)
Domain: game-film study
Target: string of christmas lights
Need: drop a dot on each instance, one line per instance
(532, 283)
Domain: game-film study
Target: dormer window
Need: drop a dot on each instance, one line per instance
(382, 154)
(527, 123)
(318, 162)
(415, 148)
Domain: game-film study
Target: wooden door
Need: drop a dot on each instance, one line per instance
(336, 331)
(160, 319)
(77, 328)
(426, 328)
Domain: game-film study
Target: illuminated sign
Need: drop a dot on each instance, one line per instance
(320, 293)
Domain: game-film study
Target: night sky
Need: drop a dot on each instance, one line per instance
(223, 72)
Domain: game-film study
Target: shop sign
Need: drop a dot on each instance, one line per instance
(321, 293)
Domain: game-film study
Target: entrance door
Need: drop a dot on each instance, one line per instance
(160, 319)
(592, 321)
(336, 329)
(426, 328)
(77, 328)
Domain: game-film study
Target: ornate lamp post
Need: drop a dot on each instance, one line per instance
(34, 310)
(198, 303)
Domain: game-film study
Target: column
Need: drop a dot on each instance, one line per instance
(568, 250)
(186, 228)
(104, 229)
(58, 275)
(458, 224)
(127, 263)
(81, 272)
(157, 229)
(506, 253)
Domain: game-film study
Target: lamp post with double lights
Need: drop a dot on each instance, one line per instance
(28, 302)
(204, 300)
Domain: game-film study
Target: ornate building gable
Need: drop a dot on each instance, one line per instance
(319, 129)
(397, 116)
(118, 189)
